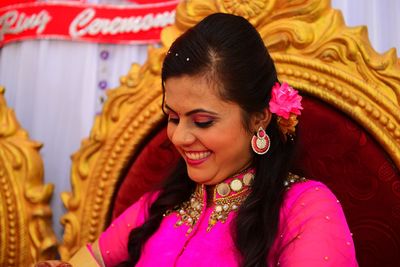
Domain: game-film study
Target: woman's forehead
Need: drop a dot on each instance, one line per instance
(191, 92)
(198, 87)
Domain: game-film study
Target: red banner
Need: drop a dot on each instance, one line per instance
(86, 22)
(13, 2)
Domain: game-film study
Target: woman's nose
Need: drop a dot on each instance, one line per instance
(182, 135)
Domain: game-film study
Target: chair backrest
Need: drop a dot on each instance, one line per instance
(352, 100)
(26, 235)
(334, 149)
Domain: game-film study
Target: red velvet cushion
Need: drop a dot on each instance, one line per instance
(331, 148)
(149, 169)
(338, 152)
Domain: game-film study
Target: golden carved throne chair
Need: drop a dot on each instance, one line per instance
(26, 235)
(349, 132)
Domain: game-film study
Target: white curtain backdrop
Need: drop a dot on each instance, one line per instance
(380, 16)
(56, 87)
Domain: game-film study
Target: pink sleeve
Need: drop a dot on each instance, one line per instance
(314, 231)
(113, 241)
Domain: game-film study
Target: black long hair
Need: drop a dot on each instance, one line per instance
(228, 50)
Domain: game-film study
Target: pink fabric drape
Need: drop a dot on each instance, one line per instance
(312, 232)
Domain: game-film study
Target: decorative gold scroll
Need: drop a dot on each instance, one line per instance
(313, 50)
(26, 235)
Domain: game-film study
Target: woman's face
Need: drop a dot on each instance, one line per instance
(207, 131)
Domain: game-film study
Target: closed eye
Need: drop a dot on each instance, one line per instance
(204, 124)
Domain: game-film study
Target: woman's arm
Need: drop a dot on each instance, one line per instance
(314, 231)
(112, 243)
(111, 247)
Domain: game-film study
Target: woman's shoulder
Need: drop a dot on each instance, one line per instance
(301, 190)
(313, 227)
(139, 209)
(298, 185)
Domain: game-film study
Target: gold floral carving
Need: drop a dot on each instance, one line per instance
(313, 50)
(26, 235)
(129, 114)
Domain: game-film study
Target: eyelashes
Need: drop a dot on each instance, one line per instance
(200, 124)
(204, 124)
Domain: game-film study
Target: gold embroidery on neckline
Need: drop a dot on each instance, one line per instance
(189, 212)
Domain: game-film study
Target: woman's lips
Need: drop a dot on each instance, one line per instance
(196, 157)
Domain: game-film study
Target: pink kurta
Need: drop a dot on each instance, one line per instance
(312, 232)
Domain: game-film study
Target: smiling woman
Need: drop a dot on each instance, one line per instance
(231, 200)
(198, 121)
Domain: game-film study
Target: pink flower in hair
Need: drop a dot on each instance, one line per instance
(285, 101)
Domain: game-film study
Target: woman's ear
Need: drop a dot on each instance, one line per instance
(260, 119)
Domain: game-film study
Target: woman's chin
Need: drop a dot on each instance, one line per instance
(202, 177)
(198, 176)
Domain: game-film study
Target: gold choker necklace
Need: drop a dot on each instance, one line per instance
(227, 197)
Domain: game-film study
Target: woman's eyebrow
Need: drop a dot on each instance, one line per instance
(199, 110)
(194, 111)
